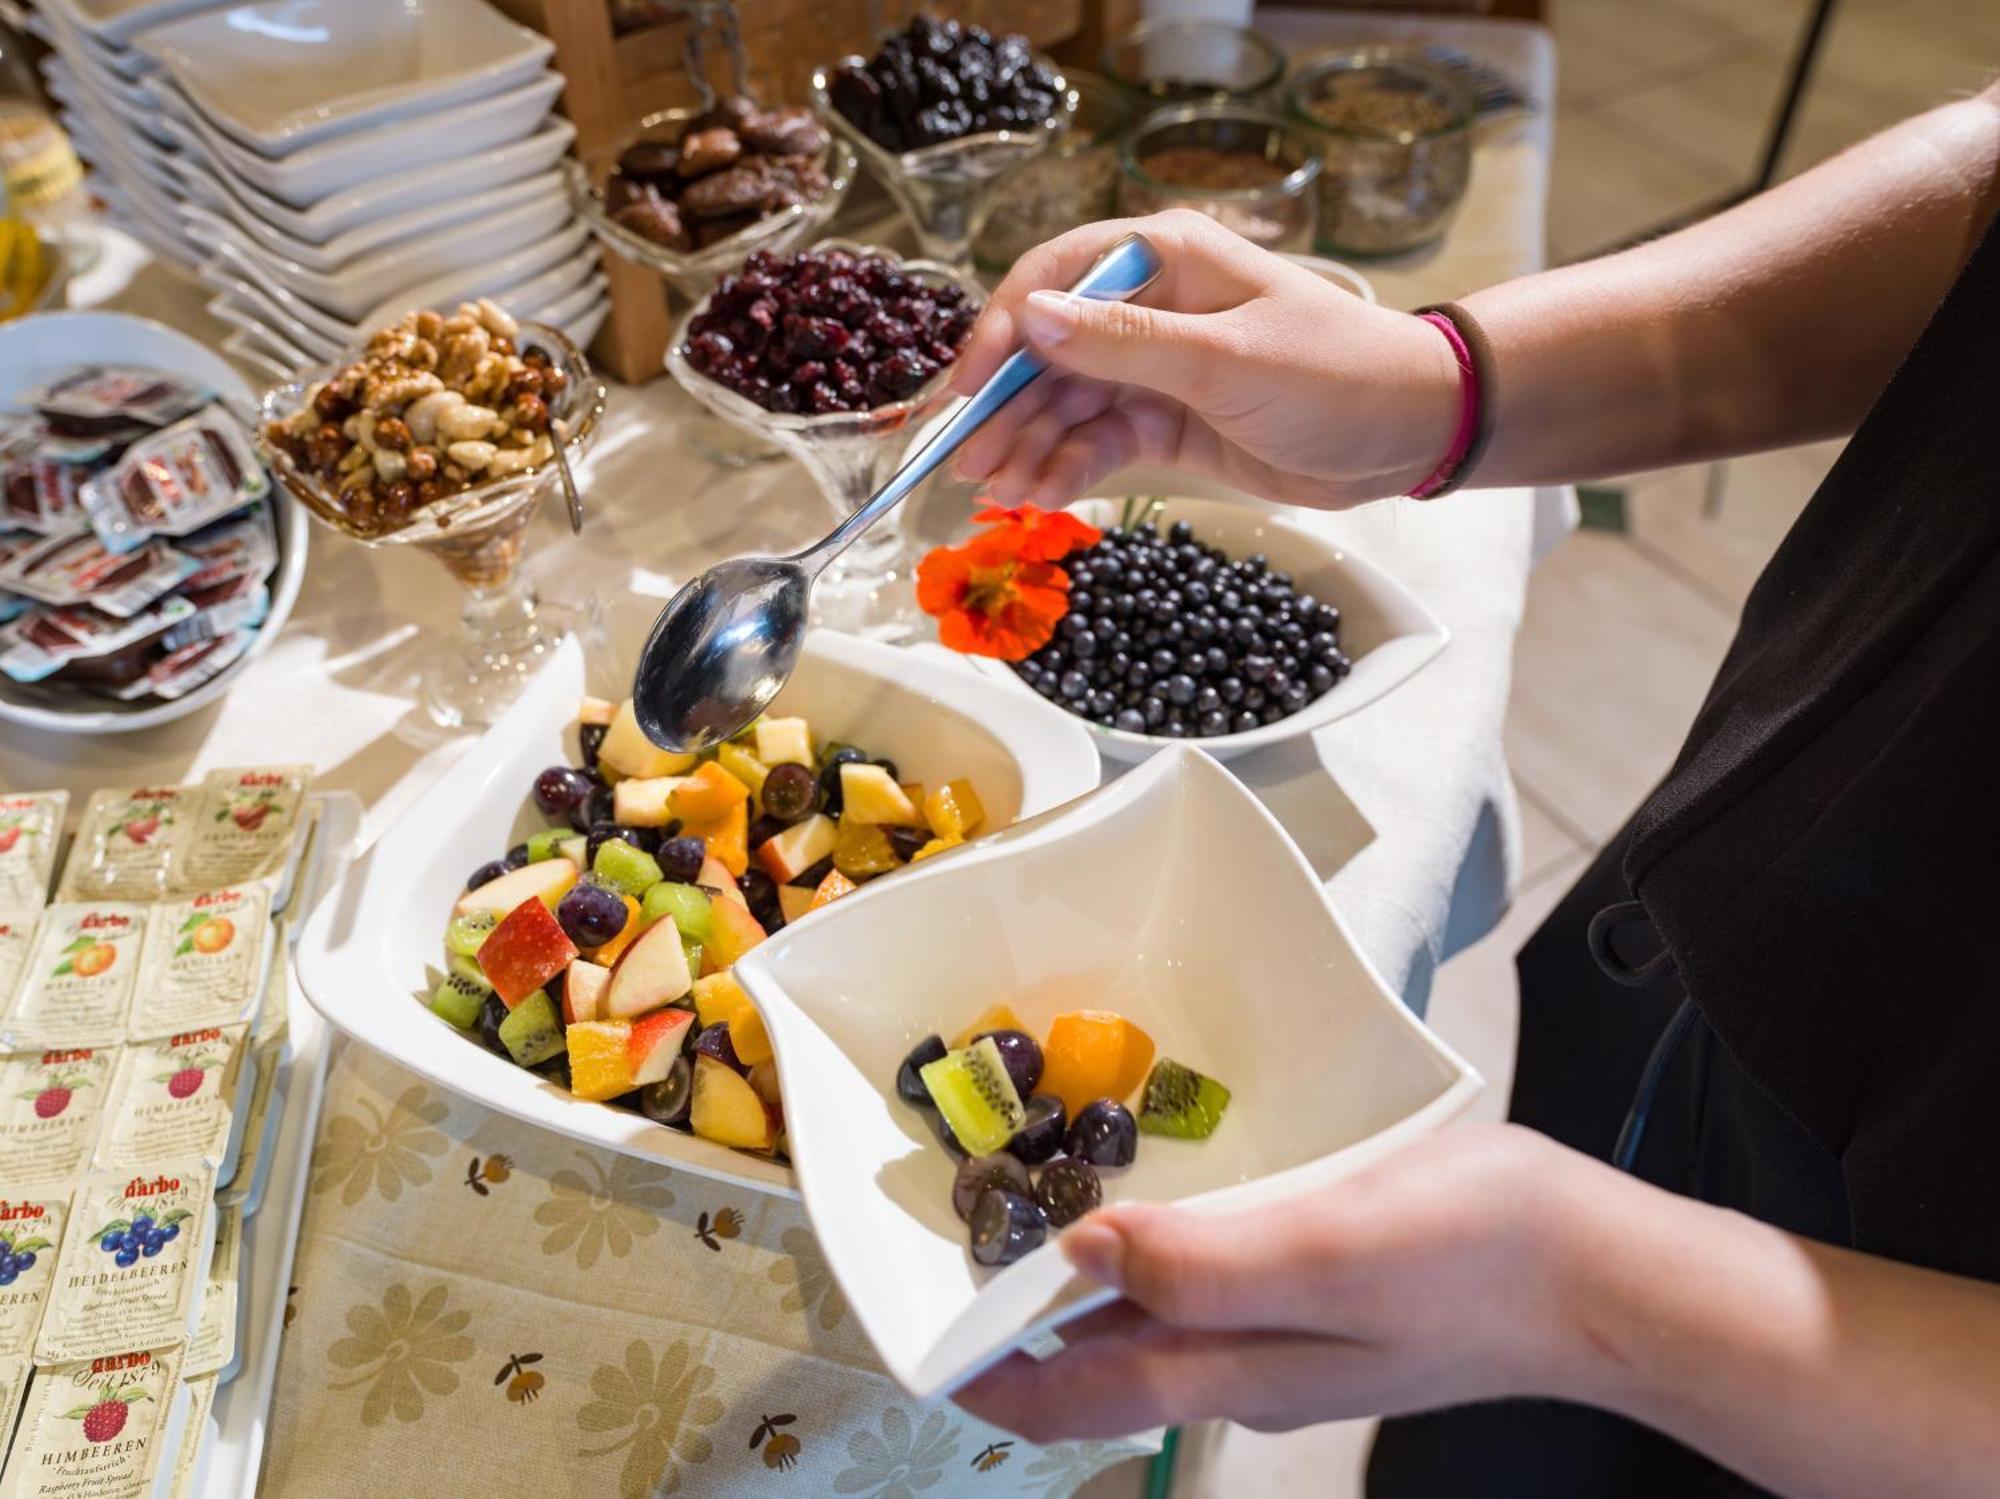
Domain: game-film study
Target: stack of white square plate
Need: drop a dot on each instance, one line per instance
(326, 165)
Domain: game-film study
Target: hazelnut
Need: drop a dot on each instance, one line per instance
(554, 382)
(529, 411)
(393, 433)
(325, 447)
(331, 403)
(422, 464)
(525, 382)
(428, 490)
(400, 497)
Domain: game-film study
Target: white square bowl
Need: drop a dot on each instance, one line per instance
(1171, 896)
(371, 950)
(281, 75)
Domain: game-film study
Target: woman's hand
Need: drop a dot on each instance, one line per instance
(1236, 364)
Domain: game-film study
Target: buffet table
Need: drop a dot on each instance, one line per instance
(503, 1312)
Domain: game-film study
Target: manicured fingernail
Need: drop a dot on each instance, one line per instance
(1098, 1250)
(1048, 317)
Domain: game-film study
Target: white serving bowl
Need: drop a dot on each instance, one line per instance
(248, 310)
(370, 952)
(269, 355)
(38, 348)
(113, 23)
(1385, 629)
(282, 75)
(1173, 897)
(530, 277)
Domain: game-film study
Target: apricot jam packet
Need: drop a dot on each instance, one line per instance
(213, 1346)
(202, 962)
(77, 987)
(173, 1100)
(31, 1226)
(93, 1428)
(126, 841)
(243, 828)
(50, 1105)
(131, 1263)
(30, 828)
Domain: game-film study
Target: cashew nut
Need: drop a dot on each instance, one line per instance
(424, 412)
(390, 466)
(497, 318)
(470, 455)
(465, 421)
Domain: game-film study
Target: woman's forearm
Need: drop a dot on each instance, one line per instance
(1776, 322)
(1816, 1372)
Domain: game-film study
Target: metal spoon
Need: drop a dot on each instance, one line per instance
(560, 430)
(728, 640)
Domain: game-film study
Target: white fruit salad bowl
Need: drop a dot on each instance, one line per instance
(1170, 897)
(373, 956)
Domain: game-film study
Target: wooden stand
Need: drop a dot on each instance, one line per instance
(614, 80)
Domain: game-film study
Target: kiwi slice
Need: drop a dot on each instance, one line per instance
(468, 933)
(1180, 1102)
(469, 970)
(543, 845)
(533, 1031)
(975, 1096)
(457, 999)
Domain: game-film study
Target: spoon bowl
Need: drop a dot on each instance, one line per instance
(720, 651)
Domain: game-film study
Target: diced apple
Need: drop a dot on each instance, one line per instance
(870, 794)
(583, 991)
(720, 880)
(647, 803)
(526, 950)
(727, 1110)
(787, 855)
(794, 901)
(576, 849)
(728, 837)
(764, 1078)
(656, 1041)
(784, 741)
(627, 750)
(600, 1059)
(548, 881)
(720, 1000)
(597, 711)
(652, 972)
(831, 889)
(708, 795)
(736, 932)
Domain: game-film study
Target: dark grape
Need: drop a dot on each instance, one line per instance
(1022, 1054)
(486, 873)
(789, 793)
(1041, 1137)
(559, 788)
(590, 739)
(1104, 1133)
(979, 1173)
(909, 1084)
(667, 1101)
(591, 914)
(760, 894)
(1006, 1226)
(680, 859)
(1068, 1189)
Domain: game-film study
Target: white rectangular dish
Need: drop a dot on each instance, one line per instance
(281, 75)
(113, 23)
(371, 952)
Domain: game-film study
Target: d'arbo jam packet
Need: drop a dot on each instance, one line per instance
(93, 1428)
(244, 828)
(77, 987)
(13, 1385)
(173, 1100)
(263, 1061)
(31, 1226)
(50, 1105)
(131, 1263)
(213, 1346)
(202, 962)
(17, 935)
(30, 827)
(127, 838)
(187, 1456)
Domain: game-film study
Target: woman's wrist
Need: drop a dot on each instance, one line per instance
(1422, 388)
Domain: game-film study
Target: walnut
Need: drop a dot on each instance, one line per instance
(460, 353)
(429, 325)
(398, 387)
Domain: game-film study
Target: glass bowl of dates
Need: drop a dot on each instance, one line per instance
(834, 354)
(941, 113)
(1144, 996)
(439, 433)
(1220, 624)
(1187, 61)
(1249, 171)
(691, 192)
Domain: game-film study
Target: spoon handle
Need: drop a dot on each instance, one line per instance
(1119, 274)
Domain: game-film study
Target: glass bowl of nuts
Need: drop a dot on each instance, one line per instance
(440, 433)
(1247, 170)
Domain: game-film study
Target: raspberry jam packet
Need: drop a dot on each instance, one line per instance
(173, 1099)
(176, 481)
(212, 1349)
(30, 829)
(16, 937)
(245, 828)
(31, 1226)
(94, 1427)
(77, 988)
(127, 838)
(133, 1254)
(50, 1106)
(80, 569)
(202, 962)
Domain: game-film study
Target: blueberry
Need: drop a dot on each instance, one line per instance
(1073, 685)
(142, 1223)
(155, 1242)
(25, 1260)
(1211, 723)
(1180, 689)
(1130, 721)
(7, 1276)
(1104, 1134)
(129, 1240)
(171, 1232)
(111, 1243)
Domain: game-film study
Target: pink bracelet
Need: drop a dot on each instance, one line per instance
(1468, 409)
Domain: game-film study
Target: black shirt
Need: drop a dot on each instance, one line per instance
(1823, 864)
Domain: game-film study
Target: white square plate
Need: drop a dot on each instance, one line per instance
(371, 951)
(1172, 897)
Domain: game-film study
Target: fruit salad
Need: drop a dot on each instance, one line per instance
(1034, 1123)
(597, 952)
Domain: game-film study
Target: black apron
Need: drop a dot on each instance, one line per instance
(1823, 866)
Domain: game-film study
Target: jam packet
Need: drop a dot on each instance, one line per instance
(113, 398)
(94, 1427)
(212, 1349)
(122, 849)
(17, 935)
(130, 1267)
(30, 828)
(51, 1103)
(202, 962)
(246, 828)
(175, 481)
(174, 676)
(187, 1470)
(31, 1226)
(13, 1386)
(77, 988)
(86, 644)
(45, 496)
(255, 1126)
(80, 569)
(274, 1011)
(173, 1099)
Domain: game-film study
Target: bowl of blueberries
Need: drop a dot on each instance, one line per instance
(1220, 624)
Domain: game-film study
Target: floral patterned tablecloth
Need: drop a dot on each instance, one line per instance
(488, 1309)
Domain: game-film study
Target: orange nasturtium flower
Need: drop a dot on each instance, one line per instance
(1046, 535)
(989, 598)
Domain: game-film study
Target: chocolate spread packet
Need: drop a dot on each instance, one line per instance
(94, 1428)
(122, 849)
(44, 495)
(174, 1099)
(85, 644)
(79, 569)
(212, 1349)
(174, 676)
(30, 828)
(238, 604)
(130, 1268)
(235, 546)
(51, 1103)
(77, 987)
(31, 1226)
(113, 397)
(245, 829)
(175, 482)
(202, 962)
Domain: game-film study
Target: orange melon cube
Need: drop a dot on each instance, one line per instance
(992, 1018)
(600, 1059)
(608, 953)
(1093, 1054)
(728, 836)
(831, 889)
(707, 795)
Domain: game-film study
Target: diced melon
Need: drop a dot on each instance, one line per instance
(548, 881)
(627, 750)
(784, 741)
(1093, 1054)
(708, 795)
(647, 803)
(992, 1018)
(597, 711)
(600, 1059)
(728, 837)
(869, 794)
(720, 1000)
(789, 854)
(936, 846)
(954, 810)
(794, 901)
(831, 889)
